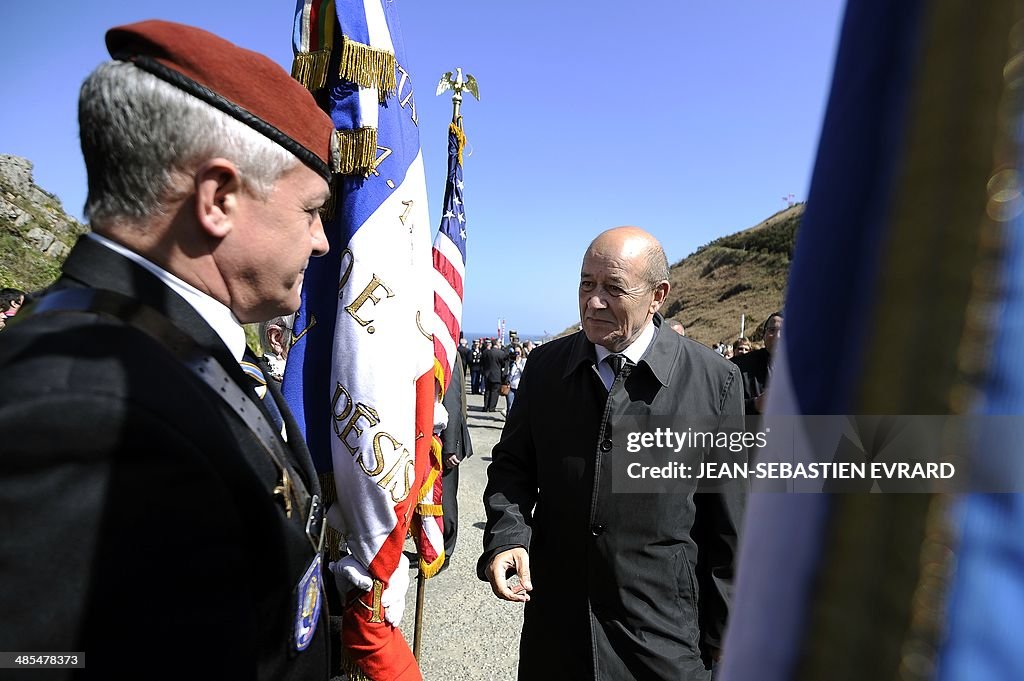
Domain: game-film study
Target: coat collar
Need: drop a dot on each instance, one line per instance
(93, 265)
(216, 313)
(660, 358)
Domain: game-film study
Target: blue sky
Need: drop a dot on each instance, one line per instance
(690, 119)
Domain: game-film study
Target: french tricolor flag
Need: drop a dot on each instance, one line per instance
(360, 378)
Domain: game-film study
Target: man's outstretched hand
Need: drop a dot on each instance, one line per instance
(516, 587)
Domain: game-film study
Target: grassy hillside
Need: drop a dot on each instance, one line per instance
(740, 274)
(34, 239)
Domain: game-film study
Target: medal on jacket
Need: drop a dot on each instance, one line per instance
(307, 612)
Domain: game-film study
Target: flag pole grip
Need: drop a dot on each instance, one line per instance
(421, 587)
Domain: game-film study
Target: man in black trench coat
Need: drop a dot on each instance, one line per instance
(617, 585)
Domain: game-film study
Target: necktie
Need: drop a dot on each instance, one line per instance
(258, 382)
(616, 362)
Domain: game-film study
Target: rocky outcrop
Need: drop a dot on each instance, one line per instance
(35, 232)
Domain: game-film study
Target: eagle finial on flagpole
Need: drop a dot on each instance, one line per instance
(456, 83)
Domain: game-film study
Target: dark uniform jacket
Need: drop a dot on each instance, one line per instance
(492, 364)
(466, 355)
(625, 585)
(139, 522)
(755, 369)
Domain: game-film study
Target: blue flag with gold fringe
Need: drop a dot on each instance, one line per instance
(909, 259)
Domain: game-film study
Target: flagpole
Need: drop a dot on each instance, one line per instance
(457, 83)
(421, 590)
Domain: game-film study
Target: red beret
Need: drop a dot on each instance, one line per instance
(244, 84)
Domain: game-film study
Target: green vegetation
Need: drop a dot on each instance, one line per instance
(22, 265)
(735, 290)
(777, 238)
(776, 235)
(252, 337)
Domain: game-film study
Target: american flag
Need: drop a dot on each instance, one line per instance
(450, 257)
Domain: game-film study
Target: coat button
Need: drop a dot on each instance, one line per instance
(597, 530)
(606, 445)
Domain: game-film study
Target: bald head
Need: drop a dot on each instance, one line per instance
(623, 282)
(634, 242)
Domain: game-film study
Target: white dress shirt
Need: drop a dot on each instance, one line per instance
(213, 312)
(633, 352)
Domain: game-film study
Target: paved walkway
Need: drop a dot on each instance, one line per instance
(468, 634)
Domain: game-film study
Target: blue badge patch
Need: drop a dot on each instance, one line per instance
(308, 611)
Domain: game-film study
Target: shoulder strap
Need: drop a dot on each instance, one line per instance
(204, 367)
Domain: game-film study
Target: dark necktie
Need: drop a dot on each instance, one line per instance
(616, 362)
(258, 382)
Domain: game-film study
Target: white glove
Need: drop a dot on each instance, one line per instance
(350, 574)
(393, 598)
(440, 418)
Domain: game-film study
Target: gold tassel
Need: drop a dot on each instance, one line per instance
(357, 151)
(459, 135)
(310, 68)
(368, 66)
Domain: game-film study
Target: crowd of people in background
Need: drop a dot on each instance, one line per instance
(11, 300)
(740, 346)
(493, 368)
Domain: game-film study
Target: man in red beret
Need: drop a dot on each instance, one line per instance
(162, 517)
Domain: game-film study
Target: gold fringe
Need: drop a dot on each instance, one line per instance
(330, 208)
(432, 510)
(357, 151)
(456, 129)
(430, 570)
(439, 376)
(368, 67)
(867, 559)
(428, 484)
(927, 629)
(310, 68)
(332, 538)
(427, 510)
(351, 670)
